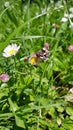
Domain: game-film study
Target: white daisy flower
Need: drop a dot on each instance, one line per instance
(64, 19)
(10, 50)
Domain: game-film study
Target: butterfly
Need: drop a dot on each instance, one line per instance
(41, 55)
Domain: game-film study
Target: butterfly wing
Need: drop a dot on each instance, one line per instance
(43, 54)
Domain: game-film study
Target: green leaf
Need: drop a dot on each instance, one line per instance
(58, 64)
(68, 127)
(4, 128)
(60, 109)
(71, 117)
(52, 112)
(43, 122)
(13, 105)
(58, 121)
(3, 91)
(5, 115)
(69, 111)
(19, 121)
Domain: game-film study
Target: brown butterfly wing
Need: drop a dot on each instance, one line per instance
(43, 54)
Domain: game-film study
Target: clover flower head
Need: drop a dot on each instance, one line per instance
(6, 4)
(46, 45)
(4, 77)
(11, 50)
(70, 48)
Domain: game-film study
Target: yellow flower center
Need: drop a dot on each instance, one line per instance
(11, 51)
(33, 60)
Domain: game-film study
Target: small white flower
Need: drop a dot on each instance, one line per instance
(51, 1)
(6, 4)
(71, 25)
(61, 6)
(71, 15)
(64, 19)
(3, 85)
(10, 50)
(71, 9)
(43, 10)
(71, 90)
(66, 15)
